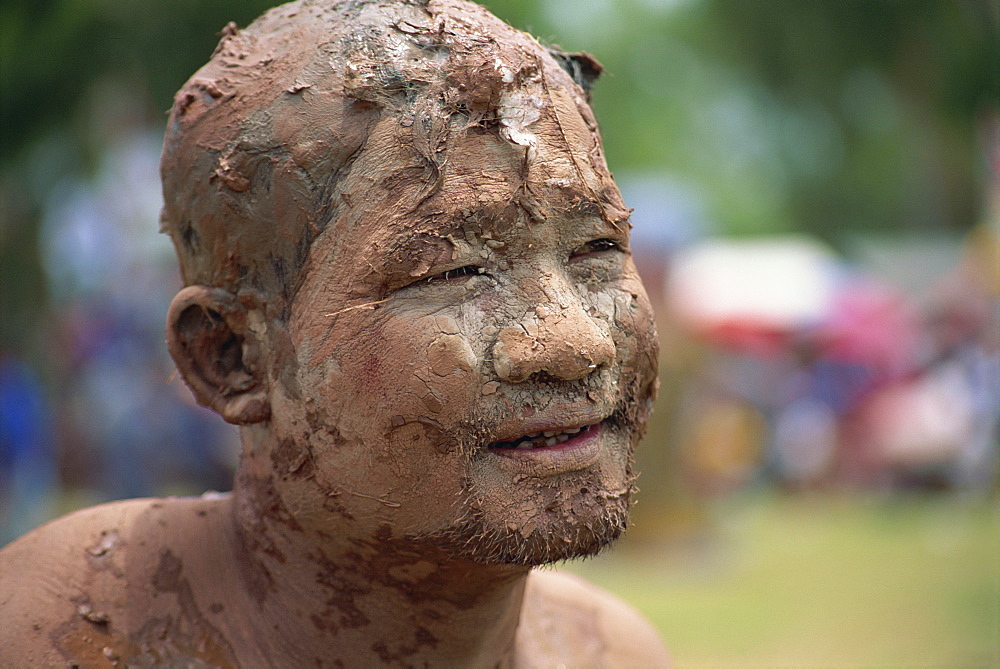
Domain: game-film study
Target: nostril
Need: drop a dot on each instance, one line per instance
(545, 377)
(552, 353)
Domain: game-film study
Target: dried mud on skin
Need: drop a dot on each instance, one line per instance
(246, 196)
(419, 229)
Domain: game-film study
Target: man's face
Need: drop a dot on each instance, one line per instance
(469, 363)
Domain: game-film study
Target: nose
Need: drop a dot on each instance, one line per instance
(559, 339)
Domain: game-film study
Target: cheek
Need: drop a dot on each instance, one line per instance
(406, 379)
(624, 306)
(634, 328)
(394, 393)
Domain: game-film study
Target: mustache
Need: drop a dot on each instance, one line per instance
(621, 401)
(624, 400)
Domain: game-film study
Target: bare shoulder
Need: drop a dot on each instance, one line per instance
(63, 585)
(567, 620)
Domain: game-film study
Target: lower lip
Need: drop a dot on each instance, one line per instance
(578, 452)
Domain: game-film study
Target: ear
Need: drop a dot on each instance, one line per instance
(582, 67)
(217, 355)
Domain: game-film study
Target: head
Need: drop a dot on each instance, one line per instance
(403, 256)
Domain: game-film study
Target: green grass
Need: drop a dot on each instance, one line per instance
(823, 582)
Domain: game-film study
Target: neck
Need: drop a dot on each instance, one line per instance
(315, 597)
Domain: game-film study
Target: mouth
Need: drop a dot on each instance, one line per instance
(551, 451)
(549, 439)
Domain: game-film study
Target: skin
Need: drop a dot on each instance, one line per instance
(470, 285)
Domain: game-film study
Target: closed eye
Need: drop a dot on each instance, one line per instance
(457, 273)
(595, 247)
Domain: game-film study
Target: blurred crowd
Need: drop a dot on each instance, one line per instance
(796, 367)
(800, 367)
(104, 418)
(785, 361)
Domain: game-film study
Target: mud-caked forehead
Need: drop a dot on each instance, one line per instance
(262, 139)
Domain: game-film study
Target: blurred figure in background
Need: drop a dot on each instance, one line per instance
(123, 428)
(27, 458)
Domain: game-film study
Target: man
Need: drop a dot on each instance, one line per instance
(408, 281)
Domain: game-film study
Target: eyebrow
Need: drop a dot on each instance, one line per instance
(587, 207)
(406, 250)
(402, 244)
(412, 240)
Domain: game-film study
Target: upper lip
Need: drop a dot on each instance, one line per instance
(553, 420)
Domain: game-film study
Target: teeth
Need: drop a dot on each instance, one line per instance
(546, 438)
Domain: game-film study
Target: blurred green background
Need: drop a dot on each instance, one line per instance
(866, 127)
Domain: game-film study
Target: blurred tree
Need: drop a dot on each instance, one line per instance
(905, 87)
(806, 115)
(782, 115)
(53, 51)
(56, 56)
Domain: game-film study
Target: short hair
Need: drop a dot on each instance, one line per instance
(260, 139)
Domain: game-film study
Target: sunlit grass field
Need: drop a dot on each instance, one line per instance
(791, 581)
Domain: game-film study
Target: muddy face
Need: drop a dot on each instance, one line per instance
(411, 201)
(471, 369)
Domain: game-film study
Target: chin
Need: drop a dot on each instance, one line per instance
(544, 546)
(549, 522)
(532, 520)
